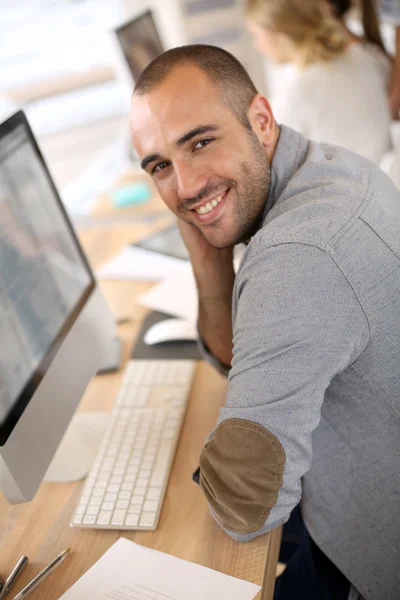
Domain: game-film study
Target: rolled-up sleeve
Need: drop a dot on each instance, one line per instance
(298, 324)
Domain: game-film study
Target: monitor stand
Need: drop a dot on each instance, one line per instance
(78, 448)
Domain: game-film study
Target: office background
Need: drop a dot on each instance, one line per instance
(59, 64)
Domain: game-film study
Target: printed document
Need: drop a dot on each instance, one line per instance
(129, 571)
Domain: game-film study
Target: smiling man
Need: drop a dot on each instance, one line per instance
(308, 329)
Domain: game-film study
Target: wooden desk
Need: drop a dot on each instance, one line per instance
(40, 529)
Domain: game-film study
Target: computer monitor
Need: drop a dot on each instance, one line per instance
(55, 326)
(138, 42)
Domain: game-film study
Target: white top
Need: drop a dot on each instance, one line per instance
(343, 102)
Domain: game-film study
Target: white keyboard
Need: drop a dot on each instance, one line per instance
(127, 483)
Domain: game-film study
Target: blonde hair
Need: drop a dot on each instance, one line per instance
(309, 24)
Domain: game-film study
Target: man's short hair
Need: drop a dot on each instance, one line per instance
(230, 77)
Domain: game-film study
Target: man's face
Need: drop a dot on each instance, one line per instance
(209, 169)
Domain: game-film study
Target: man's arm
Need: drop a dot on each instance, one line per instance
(215, 276)
(215, 309)
(298, 324)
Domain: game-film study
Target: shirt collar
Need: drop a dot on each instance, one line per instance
(289, 154)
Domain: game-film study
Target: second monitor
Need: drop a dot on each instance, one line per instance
(139, 43)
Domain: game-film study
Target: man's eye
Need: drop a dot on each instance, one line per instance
(159, 167)
(201, 143)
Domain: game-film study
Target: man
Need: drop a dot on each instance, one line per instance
(312, 409)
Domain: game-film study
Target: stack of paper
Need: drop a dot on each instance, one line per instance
(134, 263)
(128, 571)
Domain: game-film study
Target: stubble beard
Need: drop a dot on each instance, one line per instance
(251, 197)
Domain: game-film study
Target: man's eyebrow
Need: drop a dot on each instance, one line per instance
(180, 142)
(149, 159)
(197, 131)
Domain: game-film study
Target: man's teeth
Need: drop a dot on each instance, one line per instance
(202, 210)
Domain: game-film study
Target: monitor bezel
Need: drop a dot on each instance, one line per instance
(119, 31)
(25, 396)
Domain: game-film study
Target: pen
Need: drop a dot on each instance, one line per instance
(42, 575)
(13, 576)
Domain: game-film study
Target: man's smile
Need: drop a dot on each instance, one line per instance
(211, 207)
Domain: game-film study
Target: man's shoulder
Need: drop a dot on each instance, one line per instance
(326, 193)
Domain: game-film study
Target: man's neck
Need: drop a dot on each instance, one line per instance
(270, 151)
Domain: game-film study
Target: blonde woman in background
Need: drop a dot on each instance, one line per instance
(336, 90)
(390, 11)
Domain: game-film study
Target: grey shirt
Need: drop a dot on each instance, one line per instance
(316, 360)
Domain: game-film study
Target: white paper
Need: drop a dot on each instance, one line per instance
(177, 296)
(128, 571)
(134, 263)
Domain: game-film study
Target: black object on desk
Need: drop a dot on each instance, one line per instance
(167, 242)
(164, 351)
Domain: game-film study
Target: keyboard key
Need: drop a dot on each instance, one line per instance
(77, 520)
(118, 517)
(113, 487)
(147, 519)
(144, 474)
(153, 493)
(124, 495)
(104, 517)
(127, 486)
(110, 497)
(132, 520)
(92, 510)
(142, 482)
(89, 519)
(95, 501)
(150, 506)
(137, 500)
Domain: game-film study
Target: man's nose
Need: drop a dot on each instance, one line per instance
(191, 180)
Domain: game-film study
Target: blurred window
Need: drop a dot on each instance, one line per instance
(48, 43)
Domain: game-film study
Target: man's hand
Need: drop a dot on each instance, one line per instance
(215, 276)
(203, 256)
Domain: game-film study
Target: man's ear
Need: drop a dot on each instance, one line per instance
(262, 121)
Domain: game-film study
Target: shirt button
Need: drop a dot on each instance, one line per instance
(328, 156)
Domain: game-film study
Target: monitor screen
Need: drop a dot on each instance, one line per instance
(140, 42)
(44, 278)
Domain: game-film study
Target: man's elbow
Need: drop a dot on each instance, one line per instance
(241, 472)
